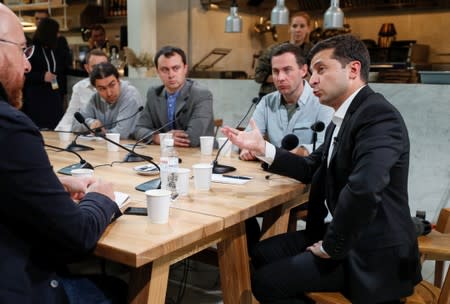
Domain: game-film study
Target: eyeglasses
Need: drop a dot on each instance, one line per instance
(27, 51)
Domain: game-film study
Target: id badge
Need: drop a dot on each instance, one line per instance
(55, 84)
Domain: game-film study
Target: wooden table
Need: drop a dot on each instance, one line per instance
(196, 222)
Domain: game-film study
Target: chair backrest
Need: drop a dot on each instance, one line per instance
(217, 124)
(443, 223)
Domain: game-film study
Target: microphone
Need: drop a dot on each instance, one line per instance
(318, 126)
(221, 169)
(106, 126)
(67, 170)
(132, 157)
(289, 142)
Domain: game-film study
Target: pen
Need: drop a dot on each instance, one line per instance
(236, 176)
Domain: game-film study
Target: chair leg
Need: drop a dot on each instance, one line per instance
(438, 270)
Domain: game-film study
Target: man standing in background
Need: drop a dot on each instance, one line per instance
(82, 91)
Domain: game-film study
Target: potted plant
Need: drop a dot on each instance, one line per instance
(141, 62)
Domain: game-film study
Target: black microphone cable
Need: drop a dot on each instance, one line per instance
(67, 170)
(109, 125)
(221, 169)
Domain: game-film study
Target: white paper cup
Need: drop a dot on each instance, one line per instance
(64, 136)
(162, 137)
(206, 144)
(226, 150)
(82, 172)
(114, 137)
(202, 176)
(184, 175)
(158, 205)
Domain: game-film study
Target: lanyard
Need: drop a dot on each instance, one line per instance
(48, 63)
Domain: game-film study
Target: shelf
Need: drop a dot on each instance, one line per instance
(49, 5)
(35, 6)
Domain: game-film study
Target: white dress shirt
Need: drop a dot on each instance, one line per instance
(82, 92)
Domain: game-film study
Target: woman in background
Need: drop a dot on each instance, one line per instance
(43, 101)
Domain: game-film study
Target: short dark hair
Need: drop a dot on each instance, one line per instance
(42, 12)
(98, 27)
(103, 70)
(95, 52)
(289, 48)
(169, 51)
(346, 48)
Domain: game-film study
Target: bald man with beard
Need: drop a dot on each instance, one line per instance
(41, 228)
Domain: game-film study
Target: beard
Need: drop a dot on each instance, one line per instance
(15, 98)
(13, 88)
(12, 81)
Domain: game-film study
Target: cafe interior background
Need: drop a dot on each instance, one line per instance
(198, 26)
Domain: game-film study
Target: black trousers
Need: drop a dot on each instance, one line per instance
(284, 271)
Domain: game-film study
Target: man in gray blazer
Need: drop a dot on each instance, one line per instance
(180, 106)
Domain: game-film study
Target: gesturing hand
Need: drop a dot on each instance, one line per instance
(252, 141)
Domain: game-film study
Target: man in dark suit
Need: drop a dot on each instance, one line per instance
(184, 102)
(41, 228)
(359, 237)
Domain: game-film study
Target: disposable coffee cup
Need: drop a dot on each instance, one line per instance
(162, 137)
(202, 176)
(115, 137)
(184, 175)
(158, 205)
(226, 150)
(82, 172)
(206, 144)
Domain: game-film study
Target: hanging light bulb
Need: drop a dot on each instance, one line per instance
(333, 17)
(233, 23)
(280, 14)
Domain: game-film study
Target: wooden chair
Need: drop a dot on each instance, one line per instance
(218, 123)
(434, 246)
(442, 226)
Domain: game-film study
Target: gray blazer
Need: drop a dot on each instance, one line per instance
(193, 112)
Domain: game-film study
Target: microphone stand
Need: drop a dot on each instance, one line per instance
(316, 127)
(221, 169)
(74, 146)
(314, 140)
(132, 157)
(67, 170)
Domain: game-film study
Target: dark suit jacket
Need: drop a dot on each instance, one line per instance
(41, 228)
(365, 187)
(193, 112)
